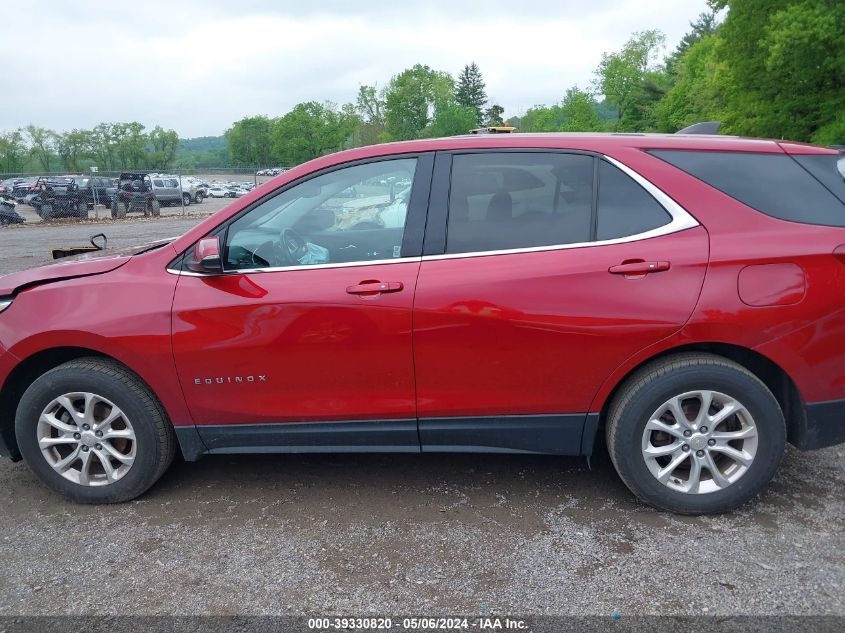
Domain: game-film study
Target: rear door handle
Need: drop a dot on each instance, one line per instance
(638, 268)
(375, 287)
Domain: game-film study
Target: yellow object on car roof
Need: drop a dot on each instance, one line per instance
(498, 129)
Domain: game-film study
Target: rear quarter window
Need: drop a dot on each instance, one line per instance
(774, 184)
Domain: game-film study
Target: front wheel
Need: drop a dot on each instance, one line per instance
(93, 432)
(695, 434)
(199, 197)
(186, 199)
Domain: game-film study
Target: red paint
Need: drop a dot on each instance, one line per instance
(543, 332)
(771, 284)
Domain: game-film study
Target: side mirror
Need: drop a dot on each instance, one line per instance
(206, 257)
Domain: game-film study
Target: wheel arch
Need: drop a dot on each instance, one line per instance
(29, 369)
(773, 376)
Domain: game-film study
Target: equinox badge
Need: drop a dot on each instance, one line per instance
(222, 380)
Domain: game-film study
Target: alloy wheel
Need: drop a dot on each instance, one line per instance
(87, 439)
(699, 442)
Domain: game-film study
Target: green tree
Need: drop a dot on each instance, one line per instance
(130, 144)
(164, 143)
(629, 78)
(703, 26)
(249, 141)
(412, 98)
(370, 106)
(12, 151)
(578, 110)
(73, 147)
(312, 129)
(541, 118)
(103, 146)
(781, 68)
(40, 145)
(470, 91)
(451, 121)
(493, 115)
(695, 95)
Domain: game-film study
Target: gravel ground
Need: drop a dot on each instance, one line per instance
(422, 535)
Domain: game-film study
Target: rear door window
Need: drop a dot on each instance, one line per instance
(774, 184)
(513, 200)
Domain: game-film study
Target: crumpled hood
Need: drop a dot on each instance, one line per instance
(79, 266)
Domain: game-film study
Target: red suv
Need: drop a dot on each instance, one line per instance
(682, 295)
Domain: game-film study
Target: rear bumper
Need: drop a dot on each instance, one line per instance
(822, 426)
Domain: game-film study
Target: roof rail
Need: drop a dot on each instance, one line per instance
(705, 127)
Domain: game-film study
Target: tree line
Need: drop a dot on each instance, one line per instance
(419, 102)
(109, 146)
(770, 68)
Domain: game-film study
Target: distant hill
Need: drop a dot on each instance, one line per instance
(202, 144)
(202, 151)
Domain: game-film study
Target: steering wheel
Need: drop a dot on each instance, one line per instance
(294, 245)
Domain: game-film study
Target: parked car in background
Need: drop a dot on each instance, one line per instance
(218, 191)
(21, 188)
(196, 191)
(235, 191)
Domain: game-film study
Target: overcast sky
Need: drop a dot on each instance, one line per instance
(198, 65)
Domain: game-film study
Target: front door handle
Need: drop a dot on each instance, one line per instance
(375, 287)
(638, 268)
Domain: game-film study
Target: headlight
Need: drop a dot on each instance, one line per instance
(5, 303)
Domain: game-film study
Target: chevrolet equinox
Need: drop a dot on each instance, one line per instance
(682, 295)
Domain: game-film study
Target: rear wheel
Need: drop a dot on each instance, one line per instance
(93, 432)
(155, 208)
(46, 212)
(114, 207)
(82, 210)
(695, 434)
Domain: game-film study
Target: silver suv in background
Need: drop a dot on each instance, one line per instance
(167, 190)
(171, 189)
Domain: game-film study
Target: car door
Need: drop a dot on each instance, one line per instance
(542, 272)
(305, 342)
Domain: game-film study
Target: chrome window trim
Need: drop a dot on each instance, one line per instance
(5, 303)
(681, 221)
(275, 269)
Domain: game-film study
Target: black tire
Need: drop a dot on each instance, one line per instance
(199, 197)
(46, 212)
(645, 391)
(155, 208)
(114, 207)
(82, 210)
(155, 438)
(186, 199)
